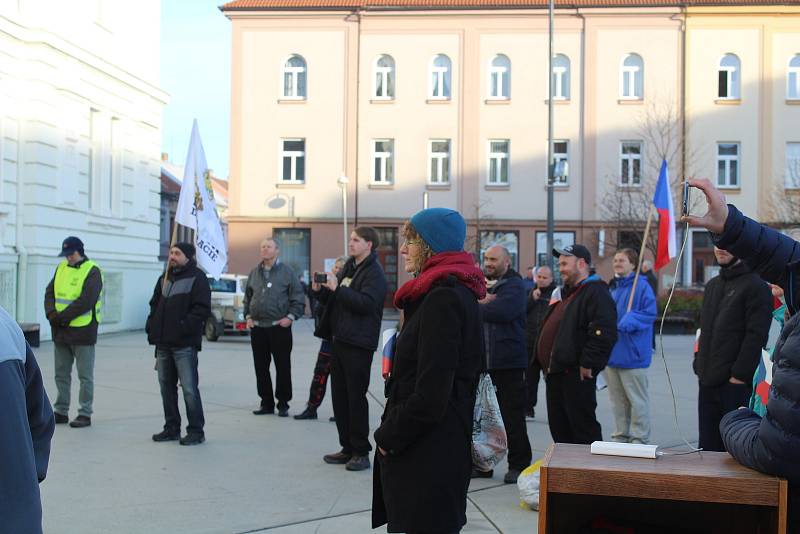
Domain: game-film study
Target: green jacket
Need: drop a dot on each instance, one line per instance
(271, 295)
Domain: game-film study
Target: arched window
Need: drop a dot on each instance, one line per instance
(294, 77)
(500, 77)
(631, 79)
(793, 78)
(729, 75)
(560, 77)
(440, 77)
(384, 77)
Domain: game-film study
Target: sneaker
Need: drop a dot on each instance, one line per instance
(264, 411)
(283, 412)
(357, 463)
(481, 474)
(81, 421)
(332, 419)
(530, 414)
(193, 439)
(308, 413)
(337, 458)
(512, 476)
(166, 435)
(61, 419)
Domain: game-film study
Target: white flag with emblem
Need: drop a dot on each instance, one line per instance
(197, 209)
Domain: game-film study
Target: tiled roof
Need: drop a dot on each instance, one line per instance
(259, 5)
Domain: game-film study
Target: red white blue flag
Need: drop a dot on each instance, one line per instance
(667, 248)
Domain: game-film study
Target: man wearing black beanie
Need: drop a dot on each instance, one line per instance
(180, 305)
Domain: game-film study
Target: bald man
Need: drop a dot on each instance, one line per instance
(504, 315)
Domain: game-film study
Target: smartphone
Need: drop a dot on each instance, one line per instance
(320, 278)
(685, 207)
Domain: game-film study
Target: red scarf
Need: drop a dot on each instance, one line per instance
(438, 268)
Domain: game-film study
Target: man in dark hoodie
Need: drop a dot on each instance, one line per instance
(503, 314)
(178, 311)
(538, 304)
(72, 305)
(353, 301)
(26, 428)
(734, 325)
(575, 343)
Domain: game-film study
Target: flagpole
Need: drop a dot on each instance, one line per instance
(641, 255)
(172, 242)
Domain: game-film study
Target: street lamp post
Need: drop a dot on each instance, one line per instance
(343, 181)
(425, 200)
(550, 169)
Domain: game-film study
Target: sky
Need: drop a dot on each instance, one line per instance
(196, 73)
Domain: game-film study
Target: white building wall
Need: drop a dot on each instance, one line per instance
(80, 121)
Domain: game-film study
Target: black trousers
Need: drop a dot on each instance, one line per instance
(713, 402)
(571, 406)
(267, 343)
(511, 396)
(532, 381)
(350, 368)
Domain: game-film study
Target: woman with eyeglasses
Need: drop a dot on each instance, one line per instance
(423, 459)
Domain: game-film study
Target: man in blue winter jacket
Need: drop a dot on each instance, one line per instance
(26, 428)
(770, 444)
(626, 373)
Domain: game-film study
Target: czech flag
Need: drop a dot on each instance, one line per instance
(388, 343)
(667, 248)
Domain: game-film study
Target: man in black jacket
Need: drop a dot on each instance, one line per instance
(575, 343)
(178, 311)
(353, 302)
(734, 325)
(503, 315)
(538, 304)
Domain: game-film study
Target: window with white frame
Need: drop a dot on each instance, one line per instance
(560, 154)
(792, 176)
(440, 78)
(631, 79)
(728, 76)
(384, 77)
(293, 160)
(498, 162)
(793, 78)
(728, 164)
(383, 161)
(439, 162)
(500, 78)
(294, 78)
(630, 162)
(560, 77)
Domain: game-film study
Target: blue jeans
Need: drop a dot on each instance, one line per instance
(180, 363)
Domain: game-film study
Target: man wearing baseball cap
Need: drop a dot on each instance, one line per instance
(575, 342)
(72, 305)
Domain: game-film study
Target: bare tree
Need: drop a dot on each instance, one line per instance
(481, 217)
(625, 207)
(785, 196)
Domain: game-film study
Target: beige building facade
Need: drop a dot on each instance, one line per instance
(448, 107)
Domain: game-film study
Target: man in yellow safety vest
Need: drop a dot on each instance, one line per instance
(72, 304)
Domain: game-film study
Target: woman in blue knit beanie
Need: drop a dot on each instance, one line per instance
(424, 443)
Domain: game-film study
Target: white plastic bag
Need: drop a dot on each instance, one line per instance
(489, 441)
(528, 484)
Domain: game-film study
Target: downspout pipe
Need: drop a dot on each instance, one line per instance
(19, 225)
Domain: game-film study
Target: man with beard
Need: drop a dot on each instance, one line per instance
(180, 305)
(734, 325)
(503, 314)
(575, 342)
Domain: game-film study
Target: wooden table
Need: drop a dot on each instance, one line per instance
(707, 492)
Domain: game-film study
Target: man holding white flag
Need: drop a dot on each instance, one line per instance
(197, 209)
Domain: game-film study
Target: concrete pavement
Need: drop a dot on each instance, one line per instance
(260, 473)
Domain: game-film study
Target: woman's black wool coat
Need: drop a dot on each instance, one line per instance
(421, 484)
